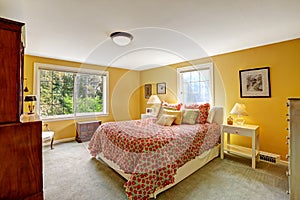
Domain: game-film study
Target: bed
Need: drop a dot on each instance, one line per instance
(152, 157)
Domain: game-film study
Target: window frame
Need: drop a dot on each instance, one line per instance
(206, 66)
(36, 90)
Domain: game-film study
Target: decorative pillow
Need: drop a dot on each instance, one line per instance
(176, 113)
(189, 116)
(211, 115)
(204, 110)
(166, 120)
(176, 106)
(162, 107)
(192, 106)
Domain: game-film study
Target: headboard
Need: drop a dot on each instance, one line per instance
(218, 114)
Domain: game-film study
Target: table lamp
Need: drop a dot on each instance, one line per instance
(239, 110)
(155, 101)
(31, 99)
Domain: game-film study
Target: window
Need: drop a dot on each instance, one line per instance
(195, 84)
(65, 92)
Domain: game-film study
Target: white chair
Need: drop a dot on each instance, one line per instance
(48, 136)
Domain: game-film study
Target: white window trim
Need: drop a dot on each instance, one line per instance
(204, 66)
(36, 89)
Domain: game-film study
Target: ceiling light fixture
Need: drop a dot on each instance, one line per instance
(121, 38)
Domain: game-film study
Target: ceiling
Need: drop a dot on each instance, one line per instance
(164, 31)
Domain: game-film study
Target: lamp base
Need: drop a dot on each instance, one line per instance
(240, 121)
(155, 108)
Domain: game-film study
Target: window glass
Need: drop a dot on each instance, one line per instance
(67, 92)
(195, 84)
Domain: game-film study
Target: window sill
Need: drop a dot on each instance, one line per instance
(73, 118)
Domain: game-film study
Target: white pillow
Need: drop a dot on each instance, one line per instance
(166, 120)
(211, 115)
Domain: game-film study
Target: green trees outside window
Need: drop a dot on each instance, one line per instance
(64, 93)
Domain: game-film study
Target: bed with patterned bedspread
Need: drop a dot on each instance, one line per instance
(151, 153)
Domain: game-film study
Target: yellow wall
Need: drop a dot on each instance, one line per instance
(124, 94)
(127, 99)
(168, 74)
(269, 113)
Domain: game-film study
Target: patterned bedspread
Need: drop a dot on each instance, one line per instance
(151, 153)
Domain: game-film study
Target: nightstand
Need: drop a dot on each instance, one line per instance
(245, 130)
(144, 116)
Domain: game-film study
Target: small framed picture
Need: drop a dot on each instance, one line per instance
(149, 110)
(148, 90)
(161, 88)
(255, 83)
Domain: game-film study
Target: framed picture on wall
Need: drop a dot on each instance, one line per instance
(161, 88)
(255, 83)
(148, 90)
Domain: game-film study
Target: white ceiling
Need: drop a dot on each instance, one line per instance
(164, 31)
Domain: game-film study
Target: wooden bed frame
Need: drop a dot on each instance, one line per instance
(188, 168)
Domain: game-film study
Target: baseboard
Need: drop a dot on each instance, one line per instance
(245, 151)
(60, 141)
(283, 163)
(64, 140)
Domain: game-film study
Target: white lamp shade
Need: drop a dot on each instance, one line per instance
(154, 99)
(239, 109)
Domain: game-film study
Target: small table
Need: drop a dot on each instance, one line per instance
(85, 130)
(244, 130)
(146, 115)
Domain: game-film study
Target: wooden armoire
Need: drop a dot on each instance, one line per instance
(20, 143)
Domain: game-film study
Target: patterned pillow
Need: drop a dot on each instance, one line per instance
(162, 107)
(177, 113)
(176, 106)
(166, 120)
(204, 110)
(189, 116)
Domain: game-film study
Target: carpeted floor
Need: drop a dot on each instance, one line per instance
(71, 174)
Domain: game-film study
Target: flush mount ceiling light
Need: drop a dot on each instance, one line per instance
(121, 38)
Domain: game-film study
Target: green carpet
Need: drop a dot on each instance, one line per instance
(70, 173)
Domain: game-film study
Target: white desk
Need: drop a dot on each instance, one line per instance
(144, 116)
(245, 130)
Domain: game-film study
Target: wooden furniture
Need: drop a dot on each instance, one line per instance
(20, 143)
(11, 80)
(294, 147)
(245, 130)
(85, 130)
(21, 161)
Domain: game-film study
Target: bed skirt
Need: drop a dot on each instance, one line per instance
(183, 172)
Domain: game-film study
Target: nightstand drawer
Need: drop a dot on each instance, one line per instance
(237, 130)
